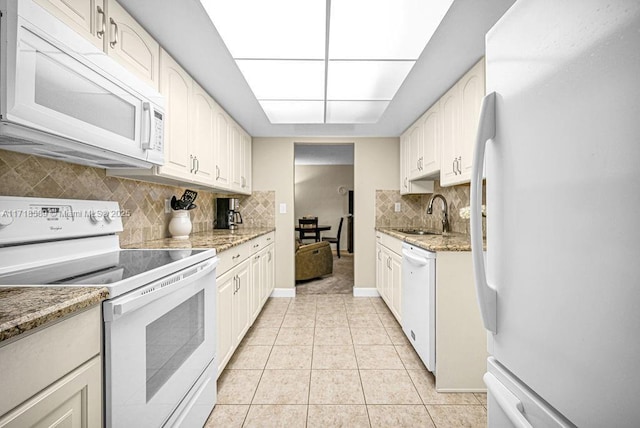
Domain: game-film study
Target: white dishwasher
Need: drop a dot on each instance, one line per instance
(419, 301)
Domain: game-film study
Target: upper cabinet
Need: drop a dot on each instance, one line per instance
(408, 185)
(440, 143)
(232, 155)
(110, 28)
(461, 112)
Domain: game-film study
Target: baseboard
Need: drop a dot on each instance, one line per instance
(283, 292)
(365, 292)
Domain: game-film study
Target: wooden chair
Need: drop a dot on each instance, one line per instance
(335, 239)
(310, 223)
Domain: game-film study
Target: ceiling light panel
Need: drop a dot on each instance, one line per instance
(366, 80)
(294, 111)
(355, 111)
(275, 29)
(284, 80)
(383, 29)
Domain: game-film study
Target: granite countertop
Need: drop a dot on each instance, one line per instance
(220, 239)
(25, 308)
(448, 242)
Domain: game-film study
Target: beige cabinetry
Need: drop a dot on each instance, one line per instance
(109, 27)
(389, 272)
(232, 156)
(245, 279)
(461, 112)
(53, 377)
(407, 185)
(222, 150)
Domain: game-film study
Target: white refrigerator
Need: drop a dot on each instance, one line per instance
(559, 287)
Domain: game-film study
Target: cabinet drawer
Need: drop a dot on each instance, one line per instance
(390, 242)
(36, 361)
(233, 256)
(262, 242)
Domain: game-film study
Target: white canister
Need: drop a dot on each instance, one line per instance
(180, 224)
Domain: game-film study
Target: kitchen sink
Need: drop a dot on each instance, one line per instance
(417, 232)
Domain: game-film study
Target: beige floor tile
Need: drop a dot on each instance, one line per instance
(299, 320)
(283, 387)
(360, 320)
(228, 416)
(397, 336)
(334, 357)
(458, 416)
(382, 357)
(425, 384)
(249, 358)
(237, 386)
(360, 305)
(290, 357)
(274, 310)
(407, 416)
(332, 336)
(388, 387)
(264, 336)
(482, 398)
(337, 319)
(304, 310)
(335, 387)
(336, 416)
(295, 336)
(388, 320)
(370, 336)
(409, 357)
(268, 321)
(380, 306)
(276, 416)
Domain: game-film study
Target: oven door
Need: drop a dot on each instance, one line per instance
(158, 340)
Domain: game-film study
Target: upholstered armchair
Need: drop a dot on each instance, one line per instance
(313, 260)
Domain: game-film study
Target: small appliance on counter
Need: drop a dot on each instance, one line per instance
(227, 214)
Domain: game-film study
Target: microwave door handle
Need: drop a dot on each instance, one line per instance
(486, 294)
(147, 127)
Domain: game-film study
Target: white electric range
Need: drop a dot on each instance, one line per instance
(159, 320)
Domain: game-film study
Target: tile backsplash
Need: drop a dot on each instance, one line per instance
(413, 209)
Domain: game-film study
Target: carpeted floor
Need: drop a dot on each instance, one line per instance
(340, 282)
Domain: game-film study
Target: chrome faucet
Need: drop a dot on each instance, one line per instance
(445, 211)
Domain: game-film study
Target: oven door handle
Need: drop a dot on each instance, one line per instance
(114, 309)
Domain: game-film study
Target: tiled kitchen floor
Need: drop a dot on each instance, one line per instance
(334, 361)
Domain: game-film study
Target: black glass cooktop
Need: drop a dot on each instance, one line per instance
(106, 268)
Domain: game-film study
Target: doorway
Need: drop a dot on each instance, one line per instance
(323, 175)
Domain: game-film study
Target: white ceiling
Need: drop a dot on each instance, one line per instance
(186, 32)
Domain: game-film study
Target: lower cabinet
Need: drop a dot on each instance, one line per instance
(245, 279)
(389, 272)
(53, 377)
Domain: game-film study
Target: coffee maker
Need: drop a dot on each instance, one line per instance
(227, 214)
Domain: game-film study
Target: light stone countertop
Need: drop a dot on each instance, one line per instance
(25, 308)
(448, 242)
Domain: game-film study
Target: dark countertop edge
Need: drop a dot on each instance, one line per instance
(454, 242)
(49, 314)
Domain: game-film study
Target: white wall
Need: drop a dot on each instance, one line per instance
(316, 193)
(376, 166)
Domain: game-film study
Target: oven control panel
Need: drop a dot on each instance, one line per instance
(24, 220)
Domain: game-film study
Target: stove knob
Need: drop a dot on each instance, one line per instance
(95, 217)
(5, 219)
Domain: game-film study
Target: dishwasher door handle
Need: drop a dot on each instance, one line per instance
(413, 259)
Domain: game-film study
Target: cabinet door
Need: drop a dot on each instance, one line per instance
(222, 151)
(203, 128)
(87, 17)
(131, 45)
(450, 110)
(246, 163)
(241, 316)
(224, 318)
(404, 163)
(395, 284)
(74, 401)
(236, 158)
(268, 272)
(415, 152)
(431, 141)
(472, 90)
(176, 88)
(380, 266)
(256, 286)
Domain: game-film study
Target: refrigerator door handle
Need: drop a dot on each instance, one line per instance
(508, 402)
(486, 295)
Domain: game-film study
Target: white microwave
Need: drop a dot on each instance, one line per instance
(63, 98)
